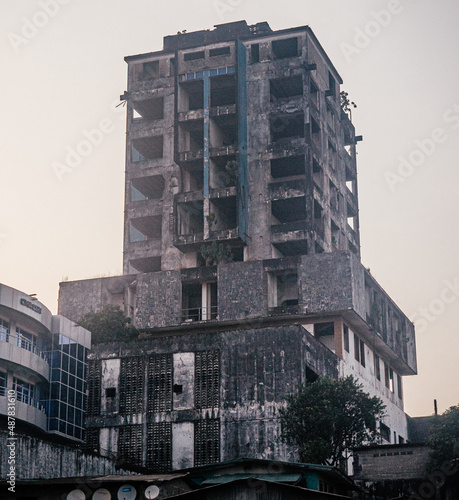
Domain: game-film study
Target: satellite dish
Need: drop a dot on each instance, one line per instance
(101, 494)
(151, 492)
(76, 495)
(127, 492)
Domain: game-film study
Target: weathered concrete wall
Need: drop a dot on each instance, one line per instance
(241, 290)
(36, 458)
(159, 300)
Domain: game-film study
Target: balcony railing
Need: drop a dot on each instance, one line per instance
(199, 314)
(23, 342)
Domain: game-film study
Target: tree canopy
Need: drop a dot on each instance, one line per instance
(444, 437)
(329, 417)
(108, 325)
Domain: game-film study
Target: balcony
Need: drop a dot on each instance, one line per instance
(199, 314)
(29, 410)
(21, 351)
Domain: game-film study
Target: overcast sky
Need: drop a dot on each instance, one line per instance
(62, 75)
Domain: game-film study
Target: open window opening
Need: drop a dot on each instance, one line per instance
(351, 182)
(288, 166)
(317, 174)
(325, 333)
(351, 217)
(223, 171)
(385, 432)
(191, 95)
(193, 56)
(149, 227)
(331, 85)
(283, 88)
(150, 70)
(288, 210)
(334, 195)
(359, 350)
(287, 47)
(319, 222)
(346, 338)
(190, 218)
(314, 94)
(223, 131)
(149, 109)
(222, 90)
(147, 188)
(377, 367)
(331, 120)
(335, 235)
(199, 301)
(287, 127)
(146, 265)
(147, 148)
(193, 179)
(220, 51)
(288, 248)
(223, 214)
(315, 134)
(191, 136)
(283, 290)
(255, 53)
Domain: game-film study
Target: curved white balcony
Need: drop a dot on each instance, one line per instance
(27, 356)
(31, 412)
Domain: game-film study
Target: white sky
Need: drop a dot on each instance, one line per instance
(64, 78)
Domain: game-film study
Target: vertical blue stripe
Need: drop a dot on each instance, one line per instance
(206, 77)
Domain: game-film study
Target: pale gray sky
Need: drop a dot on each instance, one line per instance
(63, 70)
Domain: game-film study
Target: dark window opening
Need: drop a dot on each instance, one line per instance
(147, 188)
(282, 88)
(178, 388)
(147, 148)
(149, 109)
(377, 367)
(314, 93)
(192, 302)
(331, 85)
(150, 70)
(220, 51)
(311, 375)
(191, 96)
(190, 218)
(324, 329)
(110, 392)
(362, 353)
(287, 47)
(346, 337)
(255, 52)
(385, 432)
(223, 90)
(193, 56)
(289, 209)
(399, 387)
(223, 214)
(356, 347)
(317, 210)
(287, 126)
(146, 265)
(386, 375)
(283, 289)
(150, 227)
(285, 167)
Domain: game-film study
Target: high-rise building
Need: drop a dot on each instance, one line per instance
(241, 254)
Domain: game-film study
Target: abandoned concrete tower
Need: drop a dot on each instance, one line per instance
(241, 255)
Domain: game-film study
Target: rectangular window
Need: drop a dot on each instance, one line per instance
(356, 348)
(221, 51)
(386, 375)
(150, 70)
(3, 383)
(206, 442)
(399, 387)
(207, 379)
(362, 353)
(131, 386)
(159, 388)
(377, 367)
(4, 330)
(288, 47)
(159, 446)
(346, 337)
(385, 432)
(255, 52)
(192, 56)
(391, 380)
(26, 340)
(24, 391)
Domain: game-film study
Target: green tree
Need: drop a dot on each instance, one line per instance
(329, 417)
(216, 253)
(108, 325)
(444, 437)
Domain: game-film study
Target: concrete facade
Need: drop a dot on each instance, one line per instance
(241, 254)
